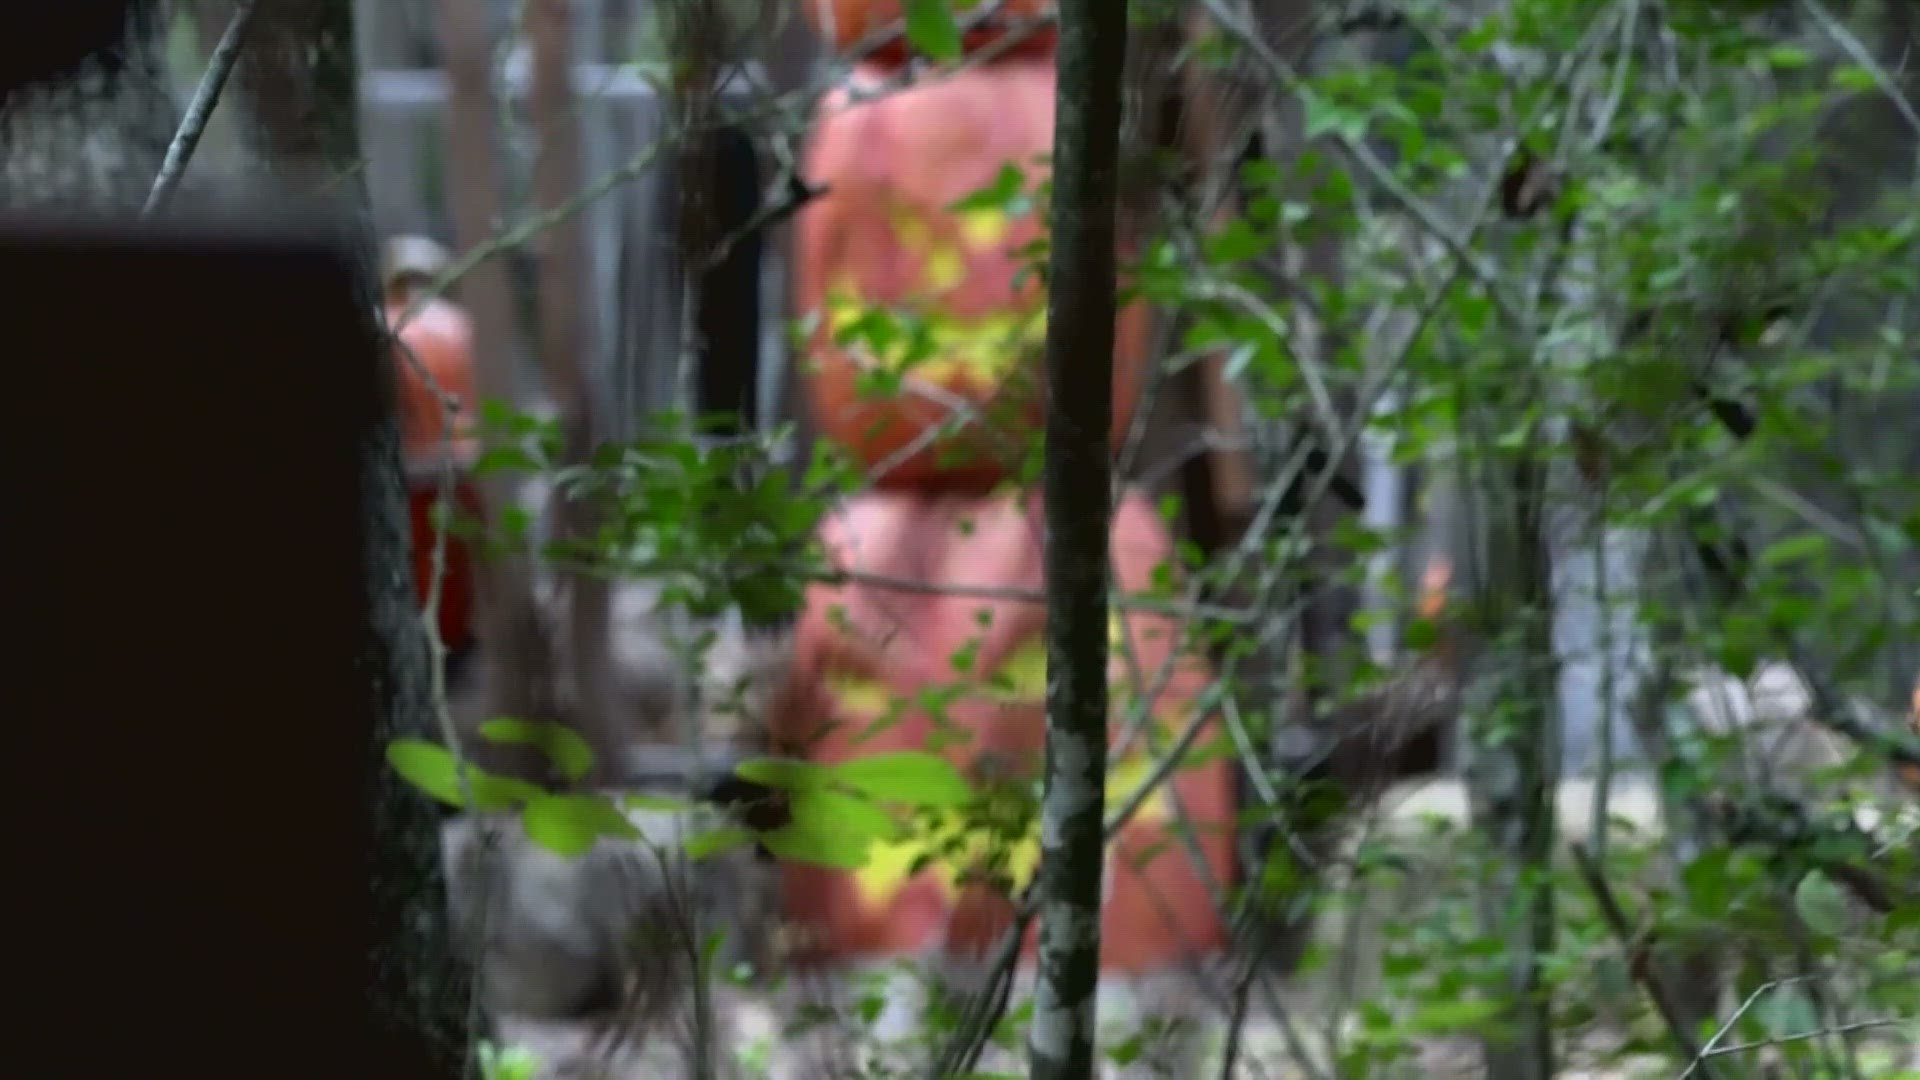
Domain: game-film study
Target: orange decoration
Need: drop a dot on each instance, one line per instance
(886, 237)
(844, 22)
(441, 339)
(864, 655)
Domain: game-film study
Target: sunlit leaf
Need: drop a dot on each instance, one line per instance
(909, 777)
(562, 745)
(429, 767)
(568, 825)
(716, 842)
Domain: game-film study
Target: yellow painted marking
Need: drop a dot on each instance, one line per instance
(910, 230)
(843, 308)
(983, 228)
(885, 872)
(945, 268)
(1125, 777)
(1021, 680)
(985, 350)
(863, 698)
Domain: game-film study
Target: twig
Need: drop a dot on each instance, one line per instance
(1164, 767)
(1745, 1007)
(1639, 962)
(1460, 246)
(1214, 288)
(1799, 1036)
(794, 194)
(1713, 1049)
(205, 97)
(977, 1022)
(534, 224)
(1858, 52)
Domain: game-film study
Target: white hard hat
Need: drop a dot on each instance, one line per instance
(407, 261)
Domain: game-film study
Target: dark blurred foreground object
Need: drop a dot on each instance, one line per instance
(41, 42)
(207, 563)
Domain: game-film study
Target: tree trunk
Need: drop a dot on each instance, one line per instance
(300, 76)
(94, 134)
(1511, 755)
(520, 662)
(566, 343)
(1079, 498)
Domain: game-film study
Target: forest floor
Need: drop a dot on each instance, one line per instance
(756, 1050)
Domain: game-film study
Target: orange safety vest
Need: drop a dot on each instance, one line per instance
(440, 336)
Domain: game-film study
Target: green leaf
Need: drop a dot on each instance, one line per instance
(562, 745)
(1008, 185)
(1787, 1012)
(1709, 881)
(1236, 241)
(783, 773)
(1788, 57)
(1794, 549)
(844, 814)
(816, 846)
(510, 1063)
(715, 842)
(910, 777)
(505, 458)
(501, 792)
(830, 829)
(931, 29)
(1821, 903)
(656, 802)
(428, 766)
(568, 825)
(1855, 78)
(1460, 1015)
(1324, 115)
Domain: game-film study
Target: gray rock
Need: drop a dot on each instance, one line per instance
(612, 929)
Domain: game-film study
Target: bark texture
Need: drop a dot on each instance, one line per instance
(1078, 478)
(1513, 760)
(300, 76)
(94, 132)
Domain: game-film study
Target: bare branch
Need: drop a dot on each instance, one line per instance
(207, 95)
